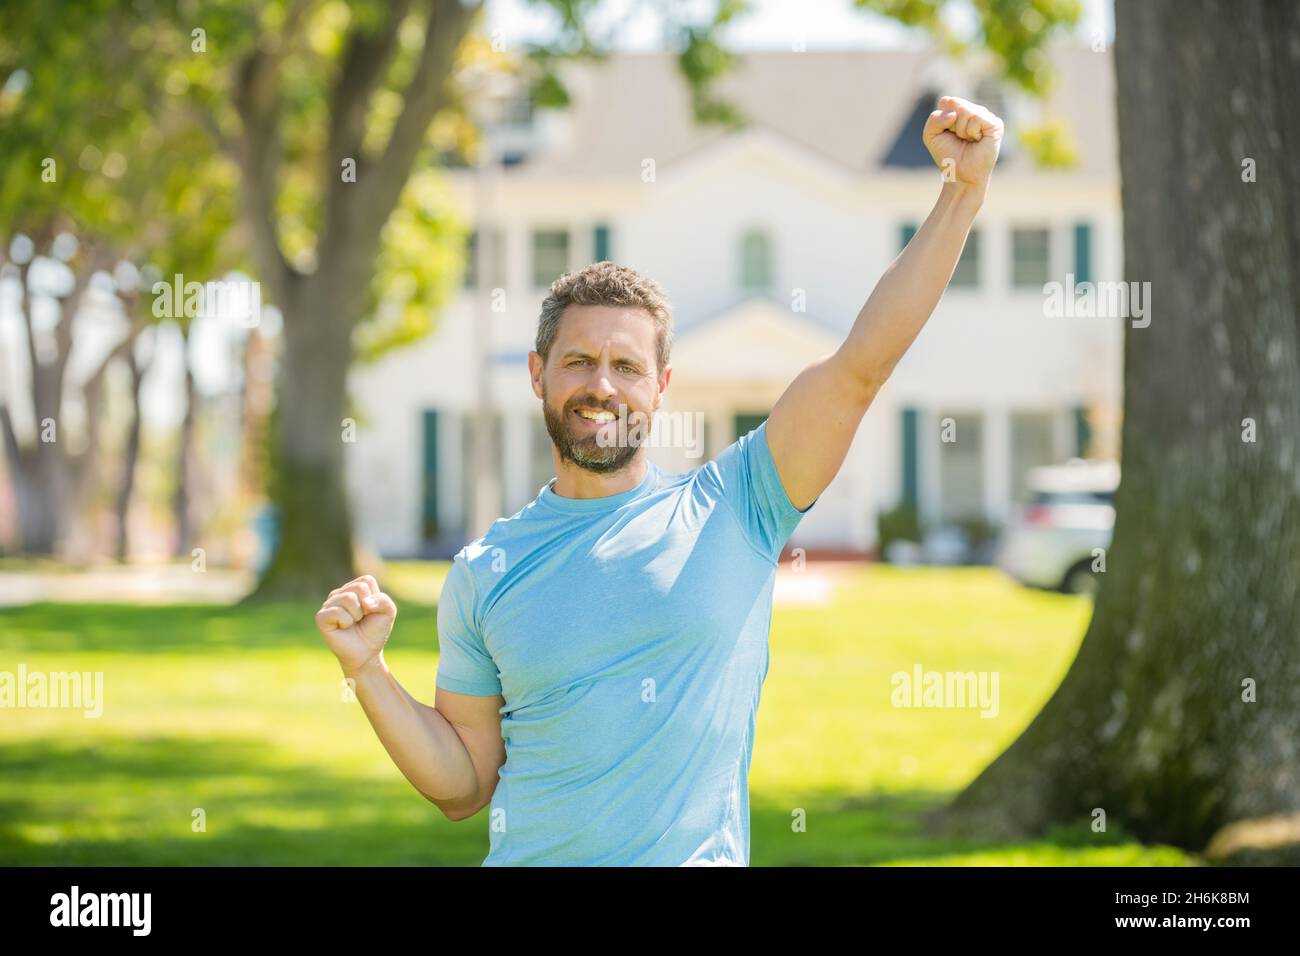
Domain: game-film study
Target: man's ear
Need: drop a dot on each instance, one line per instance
(663, 385)
(536, 365)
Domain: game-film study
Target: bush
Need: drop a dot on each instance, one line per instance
(901, 523)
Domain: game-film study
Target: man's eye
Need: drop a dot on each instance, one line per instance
(628, 368)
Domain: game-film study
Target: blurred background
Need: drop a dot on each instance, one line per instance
(270, 274)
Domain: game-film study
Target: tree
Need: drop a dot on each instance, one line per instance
(1178, 717)
(91, 170)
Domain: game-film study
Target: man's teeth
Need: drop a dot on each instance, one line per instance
(601, 416)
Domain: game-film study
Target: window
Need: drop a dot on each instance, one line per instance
(967, 273)
(429, 527)
(472, 260)
(1032, 444)
(755, 261)
(911, 456)
(477, 426)
(1031, 262)
(961, 467)
(600, 243)
(1082, 252)
(550, 256)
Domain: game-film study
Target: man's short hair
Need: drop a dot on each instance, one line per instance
(605, 283)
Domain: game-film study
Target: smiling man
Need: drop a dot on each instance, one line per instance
(602, 651)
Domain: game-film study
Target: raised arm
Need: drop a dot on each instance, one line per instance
(451, 752)
(813, 424)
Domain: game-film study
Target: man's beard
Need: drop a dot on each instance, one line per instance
(586, 451)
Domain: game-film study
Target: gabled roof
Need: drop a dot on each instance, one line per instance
(754, 339)
(853, 108)
(908, 150)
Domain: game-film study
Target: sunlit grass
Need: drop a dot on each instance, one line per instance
(243, 714)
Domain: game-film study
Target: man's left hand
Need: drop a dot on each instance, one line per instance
(964, 139)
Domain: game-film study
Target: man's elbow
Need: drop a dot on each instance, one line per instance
(456, 810)
(457, 815)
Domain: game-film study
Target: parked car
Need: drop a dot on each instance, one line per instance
(1069, 512)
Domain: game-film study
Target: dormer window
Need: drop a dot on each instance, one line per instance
(755, 261)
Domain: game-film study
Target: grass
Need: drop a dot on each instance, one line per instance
(240, 714)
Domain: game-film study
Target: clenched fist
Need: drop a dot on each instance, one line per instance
(964, 139)
(356, 620)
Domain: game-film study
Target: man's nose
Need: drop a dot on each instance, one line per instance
(601, 386)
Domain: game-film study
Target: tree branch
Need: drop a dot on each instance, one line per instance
(257, 101)
(349, 247)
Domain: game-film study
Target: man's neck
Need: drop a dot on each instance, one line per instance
(574, 482)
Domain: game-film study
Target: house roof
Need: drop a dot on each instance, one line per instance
(759, 340)
(850, 107)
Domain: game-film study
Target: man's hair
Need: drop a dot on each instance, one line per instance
(605, 283)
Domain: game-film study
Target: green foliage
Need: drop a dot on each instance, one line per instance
(900, 523)
(1014, 31)
(1050, 144)
(132, 178)
(418, 268)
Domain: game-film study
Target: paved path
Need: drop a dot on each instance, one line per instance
(135, 584)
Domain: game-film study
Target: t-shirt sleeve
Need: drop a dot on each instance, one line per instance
(745, 477)
(464, 664)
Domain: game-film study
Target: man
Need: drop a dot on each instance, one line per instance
(602, 651)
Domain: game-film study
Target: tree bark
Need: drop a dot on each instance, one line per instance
(320, 309)
(130, 454)
(314, 531)
(1201, 599)
(181, 500)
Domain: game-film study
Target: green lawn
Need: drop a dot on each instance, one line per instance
(242, 714)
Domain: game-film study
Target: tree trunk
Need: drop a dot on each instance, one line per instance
(1156, 722)
(130, 456)
(181, 501)
(314, 552)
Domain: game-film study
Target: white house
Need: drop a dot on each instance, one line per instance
(768, 241)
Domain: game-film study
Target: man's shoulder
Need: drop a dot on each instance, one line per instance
(503, 533)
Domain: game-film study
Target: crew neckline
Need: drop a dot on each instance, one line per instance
(596, 505)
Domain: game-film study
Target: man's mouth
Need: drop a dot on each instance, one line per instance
(596, 416)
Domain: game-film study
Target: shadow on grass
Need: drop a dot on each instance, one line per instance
(174, 628)
(130, 802)
(867, 830)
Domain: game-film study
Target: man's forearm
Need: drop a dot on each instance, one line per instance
(423, 744)
(911, 286)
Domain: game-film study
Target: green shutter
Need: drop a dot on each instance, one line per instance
(600, 243)
(429, 476)
(746, 422)
(911, 470)
(1082, 431)
(471, 260)
(1082, 252)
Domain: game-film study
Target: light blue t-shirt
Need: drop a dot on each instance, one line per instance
(628, 636)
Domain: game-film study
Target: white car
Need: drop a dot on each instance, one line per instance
(1069, 513)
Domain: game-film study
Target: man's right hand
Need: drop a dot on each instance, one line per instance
(356, 620)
